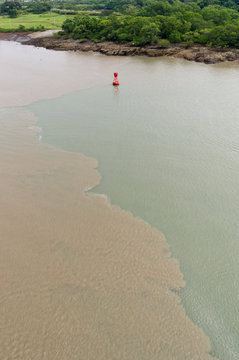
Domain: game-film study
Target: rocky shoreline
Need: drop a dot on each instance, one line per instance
(196, 53)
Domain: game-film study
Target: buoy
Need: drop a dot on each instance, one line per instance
(115, 81)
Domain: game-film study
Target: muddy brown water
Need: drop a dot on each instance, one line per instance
(80, 278)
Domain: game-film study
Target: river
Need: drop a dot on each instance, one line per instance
(167, 151)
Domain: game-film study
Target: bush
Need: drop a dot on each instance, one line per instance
(163, 43)
(13, 13)
(58, 34)
(21, 28)
(40, 28)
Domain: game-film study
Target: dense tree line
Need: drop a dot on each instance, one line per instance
(12, 8)
(38, 7)
(160, 22)
(141, 22)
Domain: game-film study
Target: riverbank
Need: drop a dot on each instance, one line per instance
(15, 36)
(195, 53)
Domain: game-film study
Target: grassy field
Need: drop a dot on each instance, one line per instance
(49, 20)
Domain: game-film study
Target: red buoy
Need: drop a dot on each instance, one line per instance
(115, 81)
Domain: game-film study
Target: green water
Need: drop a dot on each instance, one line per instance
(167, 142)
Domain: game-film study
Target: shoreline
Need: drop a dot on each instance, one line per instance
(197, 53)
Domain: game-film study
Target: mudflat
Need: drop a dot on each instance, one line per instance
(196, 53)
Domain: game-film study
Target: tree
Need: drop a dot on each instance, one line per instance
(39, 7)
(8, 6)
(13, 13)
(150, 33)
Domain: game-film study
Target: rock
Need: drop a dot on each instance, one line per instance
(195, 53)
(187, 55)
(153, 52)
(230, 56)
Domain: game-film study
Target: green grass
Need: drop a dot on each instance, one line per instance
(48, 20)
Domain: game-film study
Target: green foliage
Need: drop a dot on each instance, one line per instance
(212, 25)
(10, 8)
(13, 13)
(138, 30)
(21, 28)
(163, 43)
(139, 22)
(38, 7)
(160, 22)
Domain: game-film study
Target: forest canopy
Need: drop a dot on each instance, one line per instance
(141, 22)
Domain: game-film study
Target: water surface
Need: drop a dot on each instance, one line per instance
(167, 145)
(80, 278)
(28, 73)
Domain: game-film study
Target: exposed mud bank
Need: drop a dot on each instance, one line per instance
(195, 53)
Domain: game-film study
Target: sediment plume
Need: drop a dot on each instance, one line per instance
(80, 278)
(29, 74)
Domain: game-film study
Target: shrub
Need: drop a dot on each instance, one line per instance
(21, 28)
(163, 43)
